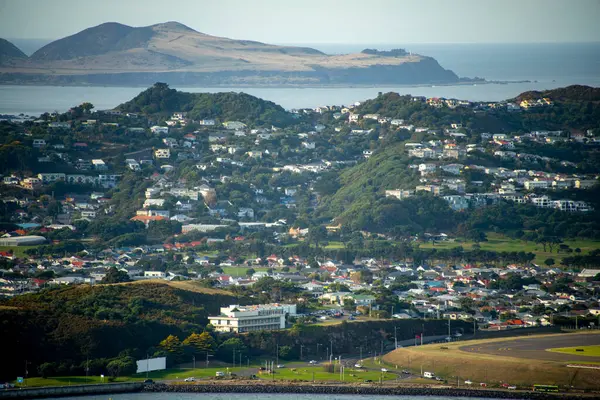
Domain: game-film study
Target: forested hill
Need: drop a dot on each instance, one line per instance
(224, 106)
(569, 93)
(82, 321)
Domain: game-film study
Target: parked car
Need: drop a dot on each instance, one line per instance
(512, 388)
(148, 381)
(368, 381)
(280, 365)
(384, 370)
(437, 378)
(313, 362)
(219, 373)
(190, 379)
(468, 382)
(406, 372)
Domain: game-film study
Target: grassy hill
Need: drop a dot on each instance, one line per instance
(75, 322)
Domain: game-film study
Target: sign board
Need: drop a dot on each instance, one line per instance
(19, 379)
(151, 364)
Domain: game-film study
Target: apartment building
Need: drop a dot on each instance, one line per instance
(261, 317)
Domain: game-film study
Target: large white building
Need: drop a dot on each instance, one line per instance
(261, 317)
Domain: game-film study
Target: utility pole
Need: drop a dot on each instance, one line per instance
(395, 339)
(194, 358)
(233, 358)
(277, 356)
(147, 365)
(301, 347)
(360, 353)
(576, 322)
(318, 344)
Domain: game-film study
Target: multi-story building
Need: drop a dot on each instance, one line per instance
(261, 317)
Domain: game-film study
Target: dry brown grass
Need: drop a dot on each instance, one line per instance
(183, 285)
(449, 362)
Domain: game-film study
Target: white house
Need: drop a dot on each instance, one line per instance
(159, 130)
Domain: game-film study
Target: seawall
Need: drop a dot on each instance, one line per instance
(75, 390)
(334, 389)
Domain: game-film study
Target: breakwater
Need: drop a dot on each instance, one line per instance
(295, 388)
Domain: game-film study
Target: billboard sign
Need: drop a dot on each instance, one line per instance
(151, 364)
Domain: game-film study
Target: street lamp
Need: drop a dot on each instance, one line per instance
(318, 344)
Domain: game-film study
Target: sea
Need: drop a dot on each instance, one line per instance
(255, 396)
(521, 67)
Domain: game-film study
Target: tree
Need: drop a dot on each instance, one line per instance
(201, 343)
(226, 349)
(250, 272)
(47, 369)
(549, 261)
(317, 234)
(172, 345)
(349, 304)
(115, 276)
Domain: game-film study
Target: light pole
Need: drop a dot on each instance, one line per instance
(318, 344)
(147, 365)
(360, 353)
(194, 358)
(301, 347)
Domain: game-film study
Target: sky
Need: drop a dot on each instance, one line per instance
(320, 21)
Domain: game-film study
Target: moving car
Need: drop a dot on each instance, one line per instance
(190, 379)
(313, 362)
(384, 370)
(219, 373)
(468, 382)
(357, 366)
(148, 381)
(280, 365)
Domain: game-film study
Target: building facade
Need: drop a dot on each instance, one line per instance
(261, 317)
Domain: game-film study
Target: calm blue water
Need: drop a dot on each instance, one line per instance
(551, 65)
(248, 396)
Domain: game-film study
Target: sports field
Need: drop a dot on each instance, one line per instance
(522, 361)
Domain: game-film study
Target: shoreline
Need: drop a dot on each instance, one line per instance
(354, 389)
(289, 387)
(275, 86)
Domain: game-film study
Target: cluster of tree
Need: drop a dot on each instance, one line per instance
(224, 106)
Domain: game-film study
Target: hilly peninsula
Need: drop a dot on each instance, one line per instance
(117, 54)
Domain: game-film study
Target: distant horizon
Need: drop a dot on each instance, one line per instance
(271, 21)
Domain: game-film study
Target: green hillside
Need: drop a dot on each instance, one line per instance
(79, 322)
(223, 106)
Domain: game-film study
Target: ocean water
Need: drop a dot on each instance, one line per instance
(546, 66)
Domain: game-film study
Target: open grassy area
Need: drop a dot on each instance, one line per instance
(449, 362)
(306, 373)
(18, 251)
(497, 242)
(591, 351)
(169, 374)
(241, 271)
(70, 380)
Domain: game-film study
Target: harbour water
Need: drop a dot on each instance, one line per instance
(545, 66)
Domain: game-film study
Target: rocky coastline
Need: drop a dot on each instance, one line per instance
(332, 389)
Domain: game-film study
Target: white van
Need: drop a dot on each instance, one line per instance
(220, 373)
(429, 375)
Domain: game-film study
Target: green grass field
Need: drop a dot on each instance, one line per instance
(170, 374)
(18, 251)
(241, 271)
(306, 374)
(592, 351)
(500, 243)
(70, 380)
